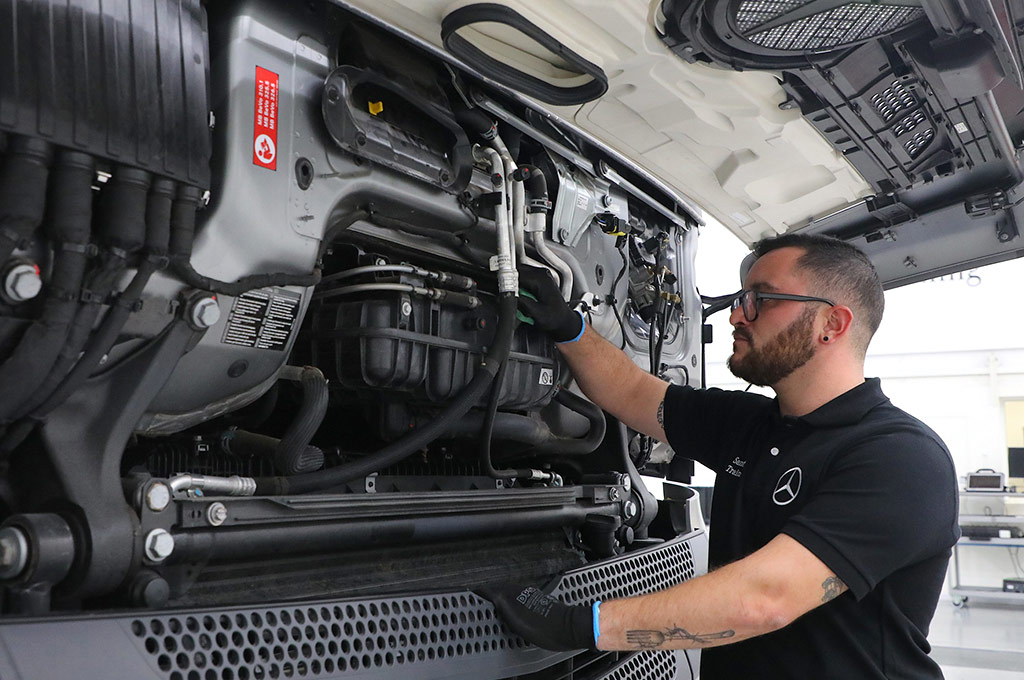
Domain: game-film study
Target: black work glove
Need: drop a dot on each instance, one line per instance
(549, 311)
(541, 619)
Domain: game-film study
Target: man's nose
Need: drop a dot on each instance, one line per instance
(736, 317)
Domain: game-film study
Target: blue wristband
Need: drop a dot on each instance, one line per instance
(597, 621)
(583, 327)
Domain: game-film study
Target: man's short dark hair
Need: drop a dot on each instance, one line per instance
(839, 271)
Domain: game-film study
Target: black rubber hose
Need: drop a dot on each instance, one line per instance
(23, 178)
(417, 439)
(69, 213)
(157, 217)
(477, 122)
(536, 184)
(183, 235)
(487, 432)
(120, 220)
(243, 442)
(293, 455)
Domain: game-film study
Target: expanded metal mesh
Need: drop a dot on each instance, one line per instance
(831, 28)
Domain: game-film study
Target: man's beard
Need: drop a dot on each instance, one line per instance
(790, 349)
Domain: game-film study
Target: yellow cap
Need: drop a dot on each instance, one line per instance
(375, 107)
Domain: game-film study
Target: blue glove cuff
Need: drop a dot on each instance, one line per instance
(583, 327)
(597, 621)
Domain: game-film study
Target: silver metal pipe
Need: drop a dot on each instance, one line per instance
(214, 486)
(997, 126)
(563, 270)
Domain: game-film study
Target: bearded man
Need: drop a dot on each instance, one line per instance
(834, 511)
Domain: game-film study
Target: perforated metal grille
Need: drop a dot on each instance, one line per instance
(646, 665)
(892, 100)
(637, 574)
(319, 641)
(838, 26)
(752, 14)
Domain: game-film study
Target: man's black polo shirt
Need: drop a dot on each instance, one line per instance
(867, 488)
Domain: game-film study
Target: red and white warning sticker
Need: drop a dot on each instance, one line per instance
(264, 129)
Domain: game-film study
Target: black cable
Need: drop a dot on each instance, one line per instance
(686, 653)
(611, 294)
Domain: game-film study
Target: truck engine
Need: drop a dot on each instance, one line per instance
(267, 406)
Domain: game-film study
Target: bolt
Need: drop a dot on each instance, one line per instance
(333, 95)
(406, 308)
(158, 496)
(563, 234)
(625, 482)
(216, 514)
(444, 177)
(606, 200)
(613, 493)
(360, 139)
(159, 545)
(13, 552)
(22, 282)
(629, 509)
(205, 312)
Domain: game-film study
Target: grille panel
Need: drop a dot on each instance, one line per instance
(428, 637)
(892, 100)
(647, 665)
(831, 28)
(636, 574)
(750, 15)
(322, 641)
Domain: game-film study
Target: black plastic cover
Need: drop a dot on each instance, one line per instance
(427, 350)
(122, 81)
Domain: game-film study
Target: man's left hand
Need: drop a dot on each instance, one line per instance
(541, 619)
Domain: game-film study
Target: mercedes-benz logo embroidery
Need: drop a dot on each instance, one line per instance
(788, 486)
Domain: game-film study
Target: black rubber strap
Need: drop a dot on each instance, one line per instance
(513, 77)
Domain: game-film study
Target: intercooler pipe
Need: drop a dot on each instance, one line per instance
(69, 214)
(537, 186)
(183, 228)
(157, 219)
(23, 178)
(417, 439)
(298, 460)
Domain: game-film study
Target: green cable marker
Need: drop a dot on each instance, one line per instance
(519, 315)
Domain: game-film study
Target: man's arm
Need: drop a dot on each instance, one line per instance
(616, 384)
(763, 592)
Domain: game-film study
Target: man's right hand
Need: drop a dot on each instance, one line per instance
(549, 311)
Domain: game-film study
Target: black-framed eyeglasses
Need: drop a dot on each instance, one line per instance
(750, 301)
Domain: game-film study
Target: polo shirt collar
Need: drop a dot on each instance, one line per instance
(846, 409)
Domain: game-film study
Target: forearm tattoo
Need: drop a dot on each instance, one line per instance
(661, 414)
(654, 639)
(833, 588)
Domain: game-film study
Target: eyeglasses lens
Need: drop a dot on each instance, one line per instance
(749, 300)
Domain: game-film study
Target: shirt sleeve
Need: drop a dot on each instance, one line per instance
(702, 424)
(887, 503)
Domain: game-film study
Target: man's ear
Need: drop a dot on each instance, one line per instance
(837, 323)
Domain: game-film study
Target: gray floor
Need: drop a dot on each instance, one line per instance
(979, 641)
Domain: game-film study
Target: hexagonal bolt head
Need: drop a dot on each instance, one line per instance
(159, 545)
(216, 514)
(22, 283)
(158, 496)
(205, 312)
(629, 509)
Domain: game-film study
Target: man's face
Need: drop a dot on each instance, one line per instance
(773, 359)
(783, 337)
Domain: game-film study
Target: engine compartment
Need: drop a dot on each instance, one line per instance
(298, 371)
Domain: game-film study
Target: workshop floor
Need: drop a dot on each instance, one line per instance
(979, 642)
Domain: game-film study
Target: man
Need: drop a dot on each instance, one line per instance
(834, 511)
